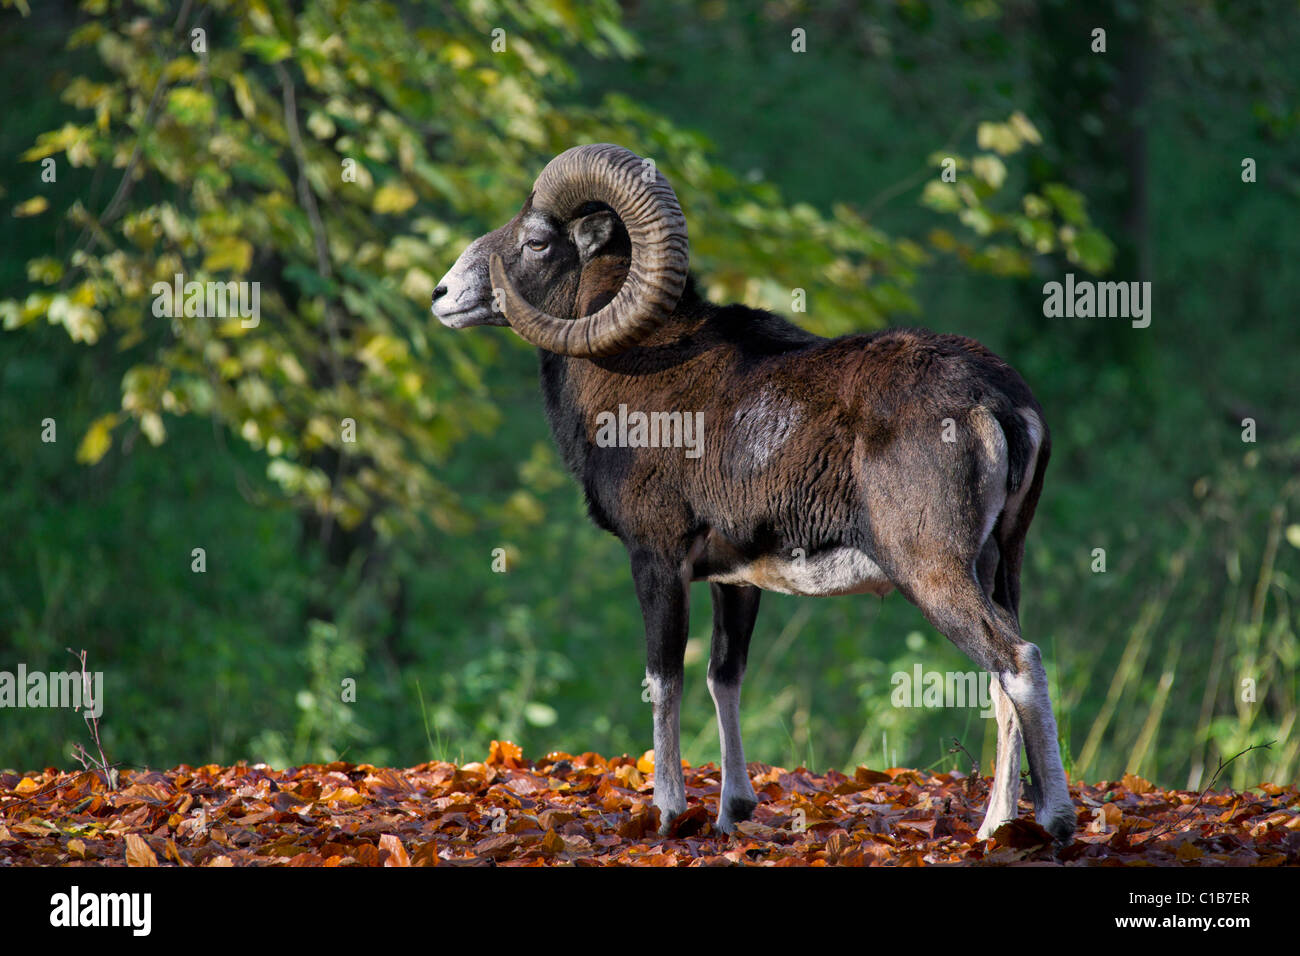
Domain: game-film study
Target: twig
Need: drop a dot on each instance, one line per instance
(305, 195)
(915, 178)
(44, 790)
(320, 241)
(972, 782)
(958, 748)
(1223, 764)
(102, 766)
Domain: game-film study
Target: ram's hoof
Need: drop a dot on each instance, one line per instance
(990, 826)
(666, 818)
(735, 810)
(1061, 825)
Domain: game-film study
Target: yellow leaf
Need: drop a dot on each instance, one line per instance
(192, 107)
(32, 207)
(522, 506)
(320, 125)
(83, 323)
(151, 424)
(243, 96)
(394, 198)
(83, 294)
(1136, 783)
(1000, 137)
(1028, 132)
(98, 439)
(990, 169)
(418, 285)
(61, 140)
(940, 196)
(292, 369)
(228, 252)
(234, 328)
(458, 55)
(629, 776)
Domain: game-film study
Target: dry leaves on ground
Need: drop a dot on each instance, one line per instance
(589, 811)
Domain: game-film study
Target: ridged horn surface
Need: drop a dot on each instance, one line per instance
(647, 205)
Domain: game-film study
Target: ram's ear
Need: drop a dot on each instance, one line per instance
(592, 233)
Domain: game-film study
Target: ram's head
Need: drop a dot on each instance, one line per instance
(595, 260)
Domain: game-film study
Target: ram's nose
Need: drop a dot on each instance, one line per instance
(438, 293)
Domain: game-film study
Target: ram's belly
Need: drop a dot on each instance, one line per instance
(827, 573)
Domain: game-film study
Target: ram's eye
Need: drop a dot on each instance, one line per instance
(537, 245)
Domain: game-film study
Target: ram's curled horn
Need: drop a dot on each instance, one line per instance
(646, 204)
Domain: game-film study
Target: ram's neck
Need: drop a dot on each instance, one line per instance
(562, 413)
(570, 384)
(565, 411)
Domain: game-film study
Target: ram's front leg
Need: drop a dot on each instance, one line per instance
(734, 610)
(663, 594)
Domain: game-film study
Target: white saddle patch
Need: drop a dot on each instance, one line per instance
(827, 573)
(760, 429)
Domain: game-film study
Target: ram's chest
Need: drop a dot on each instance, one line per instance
(841, 570)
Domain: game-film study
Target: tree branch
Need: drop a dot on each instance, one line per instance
(1223, 765)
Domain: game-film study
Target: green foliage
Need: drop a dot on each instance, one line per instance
(1055, 221)
(337, 157)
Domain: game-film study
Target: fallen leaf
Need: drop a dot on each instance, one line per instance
(396, 852)
(1137, 784)
(1021, 834)
(503, 753)
(138, 852)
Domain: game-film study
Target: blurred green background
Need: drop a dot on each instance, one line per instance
(807, 142)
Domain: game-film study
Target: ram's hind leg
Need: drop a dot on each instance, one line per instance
(1004, 798)
(955, 603)
(1026, 686)
(734, 610)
